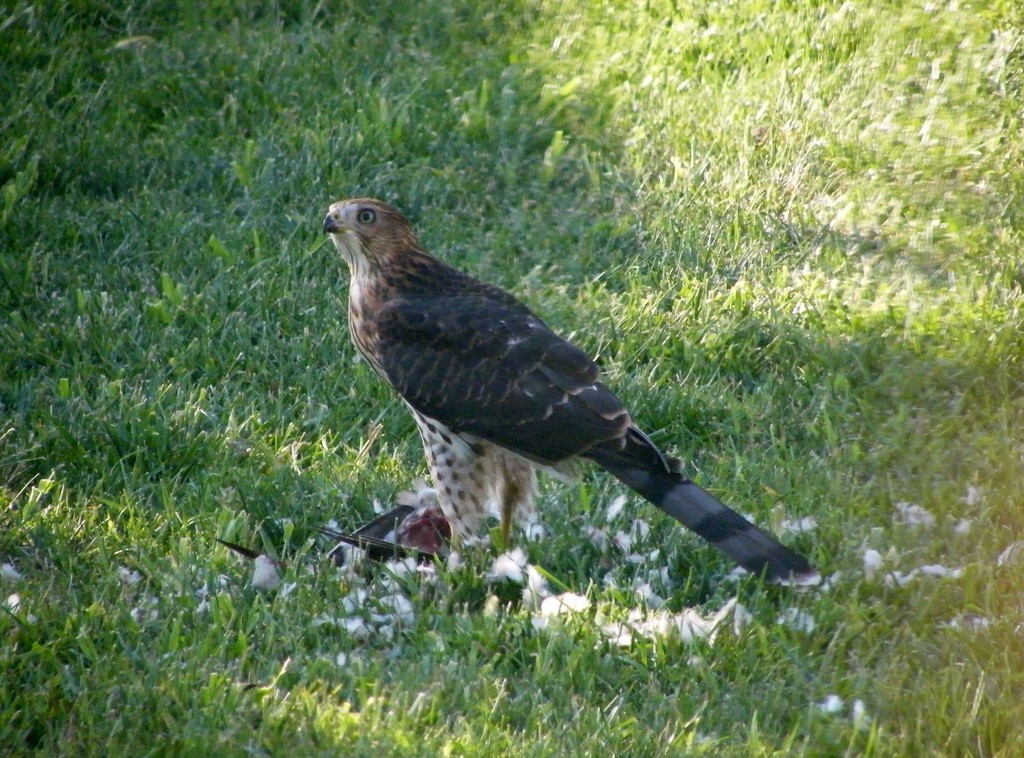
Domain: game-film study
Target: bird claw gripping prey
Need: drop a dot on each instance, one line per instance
(496, 394)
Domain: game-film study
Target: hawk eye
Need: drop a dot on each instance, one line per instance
(366, 216)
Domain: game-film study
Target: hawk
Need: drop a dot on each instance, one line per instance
(496, 394)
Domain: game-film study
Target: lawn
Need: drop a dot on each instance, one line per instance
(790, 232)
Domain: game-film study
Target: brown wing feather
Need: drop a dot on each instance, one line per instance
(480, 362)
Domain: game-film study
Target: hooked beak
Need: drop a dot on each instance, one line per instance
(332, 225)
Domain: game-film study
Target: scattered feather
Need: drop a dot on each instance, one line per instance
(941, 572)
(737, 574)
(421, 496)
(395, 608)
(831, 704)
(558, 605)
(973, 496)
(967, 623)
(567, 602)
(147, 611)
(873, 562)
(646, 594)
(824, 583)
(508, 566)
(128, 576)
(798, 620)
(799, 525)
(427, 572)
(326, 620)
(597, 536)
(356, 628)
(909, 514)
(690, 625)
(641, 558)
(533, 531)
(402, 566)
(741, 618)
(536, 589)
(901, 579)
(354, 601)
(859, 712)
(640, 529)
(137, 41)
(618, 634)
(615, 508)
(264, 575)
(622, 541)
(9, 573)
(1012, 554)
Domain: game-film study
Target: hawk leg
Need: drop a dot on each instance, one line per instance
(472, 475)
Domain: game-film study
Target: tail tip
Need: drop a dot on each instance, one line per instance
(795, 571)
(809, 578)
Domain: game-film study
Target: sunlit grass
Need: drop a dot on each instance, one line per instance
(791, 233)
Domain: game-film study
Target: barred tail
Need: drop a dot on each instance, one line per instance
(640, 465)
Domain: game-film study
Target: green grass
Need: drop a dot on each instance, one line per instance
(792, 232)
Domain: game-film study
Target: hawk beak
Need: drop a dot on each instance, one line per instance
(332, 225)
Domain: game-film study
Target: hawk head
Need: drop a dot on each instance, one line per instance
(367, 232)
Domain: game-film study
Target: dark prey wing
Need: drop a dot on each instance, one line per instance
(493, 369)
